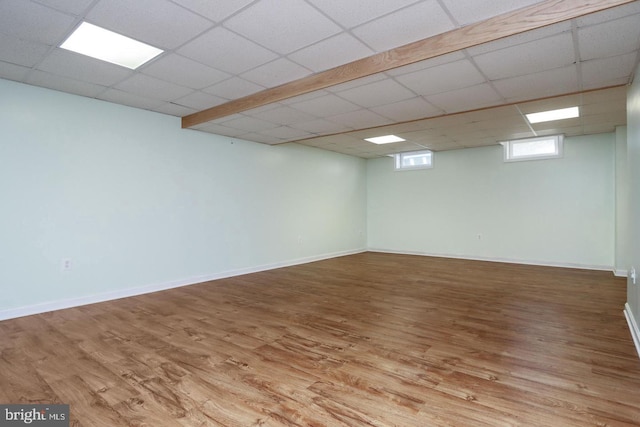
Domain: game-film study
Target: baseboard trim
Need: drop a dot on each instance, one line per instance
(130, 292)
(633, 327)
(504, 260)
(620, 273)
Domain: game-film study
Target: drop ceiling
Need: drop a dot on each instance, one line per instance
(230, 50)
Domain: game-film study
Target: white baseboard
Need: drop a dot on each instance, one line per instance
(130, 292)
(633, 327)
(493, 259)
(620, 273)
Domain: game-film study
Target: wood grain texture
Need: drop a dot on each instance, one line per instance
(364, 340)
(539, 15)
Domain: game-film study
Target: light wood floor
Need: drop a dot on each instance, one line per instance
(364, 340)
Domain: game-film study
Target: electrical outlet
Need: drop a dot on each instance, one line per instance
(66, 264)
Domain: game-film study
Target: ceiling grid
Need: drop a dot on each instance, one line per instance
(216, 53)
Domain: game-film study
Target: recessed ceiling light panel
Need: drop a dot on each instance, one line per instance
(549, 116)
(108, 46)
(386, 139)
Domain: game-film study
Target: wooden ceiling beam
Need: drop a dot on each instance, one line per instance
(539, 15)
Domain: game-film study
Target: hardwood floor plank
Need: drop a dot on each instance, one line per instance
(86, 406)
(364, 340)
(20, 382)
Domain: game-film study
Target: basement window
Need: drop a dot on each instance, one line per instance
(545, 147)
(414, 160)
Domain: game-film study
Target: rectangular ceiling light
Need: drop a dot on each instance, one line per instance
(387, 139)
(108, 46)
(548, 116)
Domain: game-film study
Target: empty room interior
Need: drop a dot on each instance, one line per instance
(320, 212)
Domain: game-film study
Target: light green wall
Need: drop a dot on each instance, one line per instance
(622, 203)
(633, 158)
(133, 200)
(558, 211)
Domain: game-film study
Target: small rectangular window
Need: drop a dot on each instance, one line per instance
(546, 147)
(414, 160)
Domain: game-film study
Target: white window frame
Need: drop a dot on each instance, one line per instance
(508, 148)
(399, 157)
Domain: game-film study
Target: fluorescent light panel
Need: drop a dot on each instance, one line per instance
(108, 46)
(386, 139)
(548, 116)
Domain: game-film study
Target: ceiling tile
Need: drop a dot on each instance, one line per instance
(226, 51)
(420, 126)
(494, 127)
(354, 12)
(617, 116)
(64, 84)
(260, 137)
(601, 41)
(470, 98)
(325, 106)
(546, 83)
(544, 54)
(504, 112)
(234, 88)
(360, 119)
(220, 129)
(413, 23)
(285, 25)
(378, 93)
(520, 39)
(567, 131)
(184, 71)
(262, 109)
(320, 126)
(319, 141)
(555, 124)
(357, 82)
(550, 104)
(152, 88)
(167, 27)
(80, 67)
(467, 12)
(77, 7)
(448, 121)
(21, 52)
(609, 14)
(286, 133)
(428, 63)
(442, 78)
(332, 52)
(199, 101)
(595, 128)
(608, 71)
(174, 109)
(12, 71)
(410, 109)
(126, 98)
(30, 21)
(304, 97)
(250, 124)
(616, 94)
(216, 11)
(276, 73)
(284, 115)
(357, 141)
